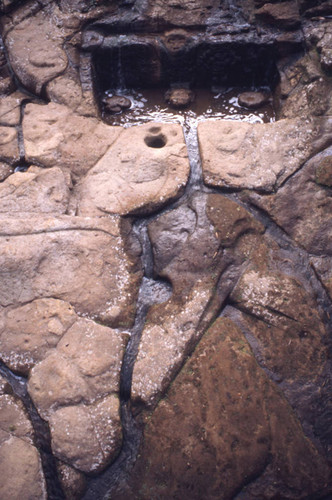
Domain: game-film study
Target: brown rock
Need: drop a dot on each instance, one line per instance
(258, 156)
(290, 333)
(189, 247)
(20, 465)
(10, 109)
(324, 171)
(116, 103)
(5, 171)
(283, 15)
(55, 136)
(179, 98)
(87, 437)
(253, 100)
(222, 425)
(139, 179)
(80, 260)
(76, 388)
(36, 190)
(35, 50)
(9, 152)
(72, 481)
(308, 220)
(181, 12)
(66, 89)
(30, 332)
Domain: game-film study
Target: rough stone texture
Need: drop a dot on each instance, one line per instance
(181, 12)
(189, 246)
(253, 100)
(76, 388)
(73, 482)
(37, 190)
(309, 220)
(5, 171)
(20, 465)
(36, 52)
(179, 98)
(80, 260)
(222, 424)
(137, 180)
(9, 152)
(258, 156)
(29, 332)
(283, 15)
(10, 109)
(55, 136)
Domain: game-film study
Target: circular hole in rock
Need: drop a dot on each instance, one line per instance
(157, 141)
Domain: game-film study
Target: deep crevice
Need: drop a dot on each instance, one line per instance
(42, 435)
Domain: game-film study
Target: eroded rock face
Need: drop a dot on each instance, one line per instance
(223, 413)
(55, 136)
(76, 389)
(258, 156)
(140, 179)
(80, 260)
(20, 464)
(190, 249)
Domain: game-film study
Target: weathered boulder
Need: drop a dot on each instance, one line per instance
(76, 389)
(139, 178)
(258, 156)
(20, 464)
(36, 190)
(9, 151)
(222, 425)
(309, 220)
(10, 109)
(253, 100)
(55, 136)
(181, 12)
(116, 103)
(36, 49)
(86, 262)
(199, 247)
(282, 14)
(179, 98)
(30, 332)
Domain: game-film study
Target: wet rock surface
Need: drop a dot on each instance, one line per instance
(165, 332)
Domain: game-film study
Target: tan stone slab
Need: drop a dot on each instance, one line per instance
(80, 260)
(146, 168)
(9, 151)
(242, 155)
(55, 136)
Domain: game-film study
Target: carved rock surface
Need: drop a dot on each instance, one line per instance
(258, 156)
(140, 179)
(76, 389)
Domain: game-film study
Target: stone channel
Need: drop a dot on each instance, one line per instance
(165, 249)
